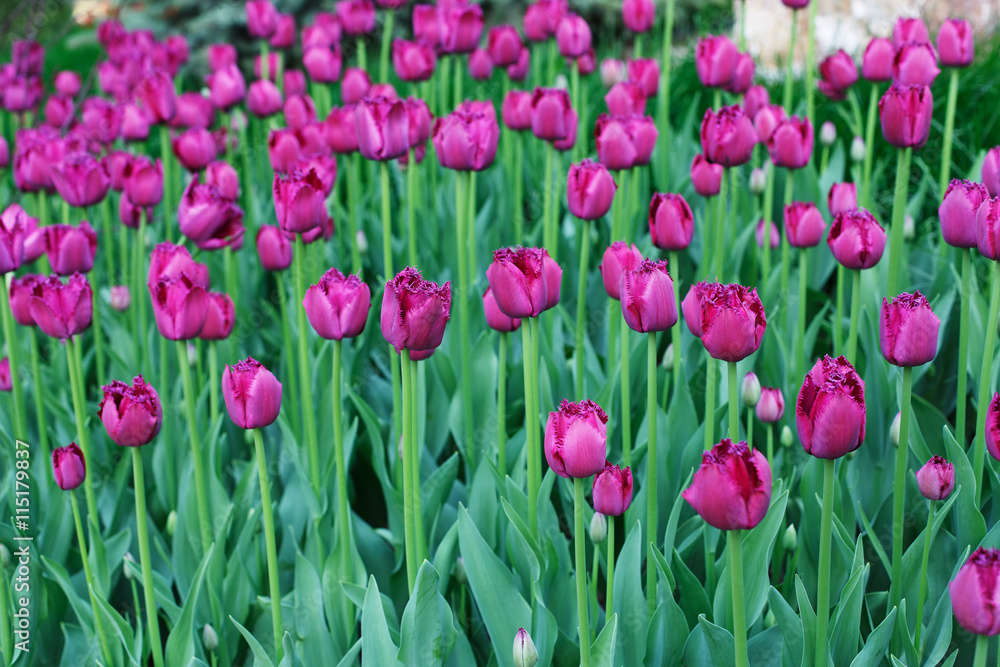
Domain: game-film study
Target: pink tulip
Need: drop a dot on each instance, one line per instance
(135, 123)
(830, 410)
(355, 85)
(991, 171)
(209, 218)
(170, 261)
(612, 490)
(542, 17)
(715, 59)
(878, 60)
(220, 317)
(955, 44)
(936, 478)
(905, 112)
(727, 136)
(262, 18)
(58, 110)
(856, 239)
(62, 310)
(227, 88)
(993, 427)
(195, 148)
(961, 203)
(100, 120)
(576, 439)
(415, 311)
(975, 593)
(732, 322)
(742, 74)
(647, 297)
(645, 74)
(413, 61)
(480, 65)
(504, 44)
(223, 177)
(550, 110)
(691, 306)
(273, 248)
(791, 143)
(144, 181)
(837, 74)
(573, 36)
(284, 32)
(732, 488)
(759, 233)
(337, 306)
(771, 406)
(341, 130)
(590, 189)
(383, 128)
(795, 4)
(461, 27)
(13, 231)
(842, 198)
(263, 99)
(638, 15)
(612, 71)
(755, 99)
(915, 64)
(618, 258)
(252, 394)
(121, 297)
(671, 222)
(467, 138)
(519, 70)
(221, 55)
(156, 93)
(624, 98)
(495, 318)
(67, 83)
(516, 110)
(624, 142)
(299, 201)
(80, 179)
(70, 249)
(909, 30)
(524, 281)
(180, 307)
(427, 25)
(6, 381)
(68, 466)
(706, 176)
(322, 63)
(194, 110)
(908, 330)
(804, 225)
(21, 291)
(356, 16)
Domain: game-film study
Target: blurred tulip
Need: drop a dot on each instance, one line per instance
(550, 109)
(356, 16)
(13, 230)
(828, 134)
(715, 59)
(273, 248)
(322, 63)
(58, 110)
(791, 143)
(590, 189)
(742, 74)
(988, 228)
(262, 18)
(576, 439)
(156, 93)
(727, 136)
(759, 234)
(909, 30)
(341, 130)
(414, 312)
(144, 181)
(67, 83)
(955, 44)
(771, 406)
(612, 490)
(612, 71)
(905, 112)
(573, 36)
(383, 128)
(195, 148)
(856, 239)
(252, 394)
(624, 98)
(961, 203)
(519, 70)
(915, 64)
(975, 593)
(135, 123)
(908, 330)
(284, 32)
(647, 297)
(838, 73)
(624, 142)
(80, 179)
(194, 110)
(618, 258)
(830, 410)
(755, 99)
(221, 55)
(21, 290)
(516, 110)
(804, 225)
(732, 488)
(878, 60)
(990, 173)
(299, 111)
(427, 26)
(170, 261)
(671, 222)
(525, 653)
(227, 88)
(638, 15)
(480, 65)
(6, 382)
(337, 306)
(207, 217)
(413, 61)
(706, 177)
(68, 466)
(462, 26)
(355, 85)
(758, 181)
(504, 45)
(62, 310)
(121, 297)
(299, 201)
(220, 317)
(263, 99)
(70, 249)
(993, 427)
(842, 198)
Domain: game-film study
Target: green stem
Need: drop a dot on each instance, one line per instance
(156, 647)
(823, 593)
(652, 467)
(200, 484)
(386, 221)
(810, 59)
(963, 348)
(750, 414)
(838, 327)
(800, 330)
(739, 607)
(343, 508)
(581, 573)
(553, 56)
(869, 147)
(770, 444)
(581, 303)
(213, 379)
(535, 453)
(287, 354)
(985, 378)
(768, 216)
(898, 213)
(41, 424)
(949, 128)
(982, 648)
(922, 588)
(710, 365)
(14, 352)
(675, 331)
(166, 432)
(166, 157)
(98, 332)
(609, 590)
(852, 333)
(518, 189)
(787, 103)
(664, 118)
(785, 248)
(383, 65)
(720, 225)
(410, 543)
(548, 233)
(419, 535)
(458, 80)
(91, 586)
(109, 241)
(460, 303)
(626, 392)
(83, 435)
(269, 538)
(530, 415)
(411, 220)
(308, 414)
(139, 294)
(502, 405)
(353, 188)
(824, 159)
(469, 227)
(734, 404)
(899, 489)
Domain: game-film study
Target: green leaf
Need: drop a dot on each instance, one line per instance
(376, 643)
(428, 631)
(260, 657)
(878, 641)
(602, 651)
(693, 598)
(808, 617)
(970, 527)
(790, 624)
(310, 619)
(630, 602)
(720, 642)
(180, 643)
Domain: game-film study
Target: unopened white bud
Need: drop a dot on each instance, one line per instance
(828, 134)
(786, 436)
(209, 638)
(525, 653)
(598, 528)
(858, 149)
(894, 430)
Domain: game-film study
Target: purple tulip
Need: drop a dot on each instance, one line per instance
(830, 410)
(771, 406)
(70, 249)
(804, 225)
(337, 306)
(618, 258)
(590, 189)
(732, 321)
(495, 318)
(955, 44)
(838, 73)
(961, 203)
(905, 112)
(915, 64)
(975, 593)
(706, 177)
(68, 467)
(612, 490)
(790, 145)
(936, 478)
(842, 198)
(467, 138)
(732, 488)
(988, 228)
(856, 239)
(877, 63)
(908, 330)
(671, 222)
(383, 128)
(647, 297)
(727, 136)
(715, 59)
(576, 439)
(909, 30)
(80, 179)
(415, 311)
(62, 310)
(252, 394)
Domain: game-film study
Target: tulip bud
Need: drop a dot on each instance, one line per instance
(828, 134)
(760, 233)
(598, 528)
(905, 112)
(858, 150)
(525, 653)
(750, 391)
(68, 467)
(171, 526)
(612, 71)
(618, 257)
(909, 227)
(671, 222)
(414, 311)
(638, 15)
(804, 224)
(973, 593)
(830, 410)
(758, 181)
(732, 321)
(612, 490)
(771, 406)
(647, 297)
(459, 572)
(121, 297)
(732, 488)
(550, 110)
(576, 439)
(504, 44)
(769, 619)
(755, 99)
(715, 59)
(668, 358)
(786, 438)
(128, 558)
(362, 242)
(705, 176)
(252, 394)
(894, 430)
(767, 119)
(728, 136)
(790, 540)
(590, 190)
(955, 43)
(842, 198)
(209, 638)
(192, 353)
(936, 479)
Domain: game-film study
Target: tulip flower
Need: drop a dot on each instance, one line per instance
(519, 70)
(284, 32)
(221, 55)
(991, 171)
(226, 86)
(195, 148)
(618, 257)
(337, 306)
(519, 280)
(804, 224)
(262, 18)
(576, 439)
(156, 93)
(143, 181)
(750, 390)
(838, 73)
(263, 99)
(955, 43)
(62, 310)
(21, 291)
(624, 142)
(208, 217)
(135, 123)
(760, 234)
(612, 490)
(13, 230)
(220, 317)
(273, 248)
(644, 73)
(732, 488)
(905, 112)
(121, 297)
(299, 111)
(647, 297)
(842, 198)
(383, 128)
(790, 144)
(466, 139)
(67, 83)
(461, 27)
(131, 414)
(742, 75)
(68, 467)
(671, 222)
(638, 15)
(876, 65)
(975, 596)
(915, 64)
(516, 110)
(727, 136)
(525, 653)
(573, 36)
(715, 59)
(58, 110)
(550, 110)
(6, 381)
(830, 410)
(908, 330)
(691, 306)
(856, 239)
(70, 249)
(732, 322)
(706, 176)
(80, 179)
(771, 406)
(252, 394)
(755, 99)
(299, 202)
(415, 311)
(495, 318)
(413, 61)
(170, 261)
(480, 65)
(590, 190)
(909, 30)
(180, 307)
(504, 44)
(936, 479)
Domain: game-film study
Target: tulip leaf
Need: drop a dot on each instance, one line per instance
(121, 629)
(290, 657)
(260, 657)
(428, 635)
(938, 635)
(970, 527)
(808, 617)
(602, 651)
(720, 642)
(180, 642)
(310, 619)
(846, 629)
(376, 642)
(878, 641)
(435, 489)
(790, 624)
(693, 598)
(630, 601)
(668, 629)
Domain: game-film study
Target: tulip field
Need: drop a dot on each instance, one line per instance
(499, 334)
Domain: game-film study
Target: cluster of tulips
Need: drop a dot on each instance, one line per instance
(186, 167)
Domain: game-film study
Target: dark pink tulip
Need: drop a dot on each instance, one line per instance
(180, 307)
(252, 394)
(671, 223)
(905, 112)
(427, 26)
(804, 224)
(936, 478)
(830, 410)
(295, 82)
(495, 318)
(27, 57)
(121, 297)
(576, 439)
(612, 71)
(569, 141)
(329, 23)
(647, 297)
(842, 198)
(480, 65)
(958, 210)
(908, 330)
(755, 99)
(624, 142)
(35, 153)
(795, 4)
(618, 258)
(341, 130)
(299, 111)
(273, 248)
(519, 70)
(21, 291)
(915, 64)
(715, 59)
(70, 249)
(156, 93)
(414, 311)
(67, 83)
(226, 87)
(284, 32)
(221, 55)
(68, 466)
(178, 52)
(504, 45)
(991, 171)
(590, 189)
(612, 490)
(22, 94)
(314, 36)
(391, 4)
(645, 73)
(170, 261)
(878, 60)
(742, 74)
(975, 593)
(13, 231)
(386, 90)
(955, 44)
(383, 128)
(420, 121)
(193, 110)
(988, 228)
(732, 322)
(195, 148)
(732, 488)
(838, 73)
(771, 406)
(573, 36)
(299, 202)
(706, 176)
(263, 99)
(727, 136)
(791, 143)
(638, 15)
(691, 306)
(100, 120)
(355, 85)
(262, 18)
(356, 16)
(541, 19)
(909, 30)
(135, 123)
(130, 214)
(550, 110)
(337, 306)
(625, 97)
(115, 163)
(461, 27)
(58, 110)
(284, 150)
(413, 61)
(144, 181)
(856, 239)
(223, 178)
(519, 281)
(220, 317)
(209, 218)
(62, 310)
(993, 427)
(80, 179)
(587, 63)
(6, 381)
(759, 233)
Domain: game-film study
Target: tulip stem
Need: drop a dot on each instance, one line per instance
(581, 305)
(768, 216)
(898, 214)
(709, 403)
(675, 331)
(530, 417)
(720, 226)
(286, 333)
(91, 586)
(823, 592)
(963, 347)
(409, 520)
(899, 490)
(519, 189)
(308, 414)
(581, 573)
(770, 444)
(652, 466)
(418, 521)
(156, 648)
(787, 102)
(201, 487)
(922, 589)
(739, 607)
(664, 106)
(139, 294)
(626, 392)
(502, 405)
(548, 222)
(810, 59)
(982, 647)
(852, 333)
(269, 539)
(343, 508)
(353, 188)
(213, 379)
(750, 428)
(985, 375)
(13, 350)
(83, 435)
(869, 138)
(383, 65)
(98, 337)
(785, 248)
(609, 590)
(535, 453)
(734, 404)
(800, 330)
(411, 220)
(168, 173)
(43, 435)
(949, 128)
(461, 301)
(838, 327)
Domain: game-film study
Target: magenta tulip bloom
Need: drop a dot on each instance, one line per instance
(504, 44)
(467, 138)
(975, 593)
(13, 230)
(299, 111)
(355, 86)
(284, 32)
(273, 248)
(383, 128)
(645, 74)
(936, 478)
(519, 279)
(516, 110)
(958, 210)
(227, 88)
(612, 71)
(993, 427)
(519, 70)
(67, 83)
(856, 239)
(915, 64)
(791, 143)
(220, 317)
(80, 179)
(727, 136)
(263, 98)
(908, 330)
(208, 217)
(68, 466)
(838, 73)
(905, 112)
(988, 228)
(415, 312)
(144, 181)
(6, 381)
(767, 119)
(830, 410)
(135, 122)
(356, 16)
(576, 439)
(955, 43)
(624, 98)
(573, 36)
(742, 75)
(221, 55)
(691, 306)
(804, 224)
(322, 63)
(461, 27)
(427, 25)
(760, 234)
(671, 222)
(132, 415)
(715, 59)
(550, 110)
(842, 198)
(647, 297)
(624, 142)
(413, 61)
(180, 307)
(755, 99)
(771, 406)
(156, 93)
(732, 488)
(590, 189)
(299, 201)
(909, 30)
(618, 258)
(732, 322)
(337, 306)
(341, 130)
(638, 15)
(795, 4)
(195, 148)
(495, 318)
(284, 150)
(877, 63)
(252, 394)
(100, 120)
(991, 171)
(62, 310)
(170, 261)
(70, 249)
(21, 291)
(262, 18)
(58, 110)
(612, 490)
(193, 110)
(706, 176)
